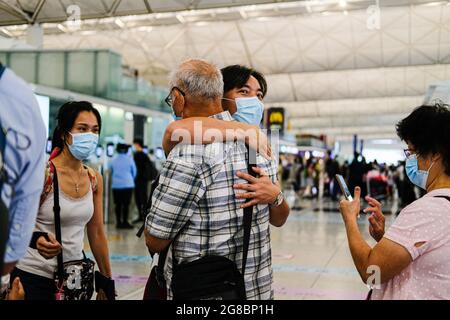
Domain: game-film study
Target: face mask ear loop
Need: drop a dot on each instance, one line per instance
(67, 143)
(432, 164)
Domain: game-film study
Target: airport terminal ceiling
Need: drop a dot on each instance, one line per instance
(329, 63)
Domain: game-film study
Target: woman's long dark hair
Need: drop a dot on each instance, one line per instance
(67, 114)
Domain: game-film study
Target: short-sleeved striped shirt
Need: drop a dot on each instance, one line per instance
(195, 192)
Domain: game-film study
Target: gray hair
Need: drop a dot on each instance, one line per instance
(198, 78)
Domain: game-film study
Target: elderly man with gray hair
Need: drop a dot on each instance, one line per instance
(194, 208)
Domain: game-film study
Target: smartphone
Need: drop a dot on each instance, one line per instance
(344, 188)
(48, 147)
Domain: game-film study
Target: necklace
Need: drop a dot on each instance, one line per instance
(77, 183)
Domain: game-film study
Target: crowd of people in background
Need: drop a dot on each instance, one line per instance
(131, 173)
(311, 177)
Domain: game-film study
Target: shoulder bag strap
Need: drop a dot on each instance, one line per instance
(248, 212)
(57, 211)
(443, 197)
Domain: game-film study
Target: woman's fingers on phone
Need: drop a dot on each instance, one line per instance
(373, 202)
(44, 244)
(53, 240)
(370, 210)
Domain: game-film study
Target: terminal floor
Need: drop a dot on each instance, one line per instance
(310, 255)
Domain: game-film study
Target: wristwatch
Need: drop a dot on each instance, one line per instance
(4, 286)
(278, 200)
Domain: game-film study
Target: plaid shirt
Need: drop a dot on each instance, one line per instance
(195, 192)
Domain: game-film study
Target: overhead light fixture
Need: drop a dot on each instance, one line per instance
(342, 3)
(201, 23)
(180, 18)
(435, 3)
(384, 141)
(119, 23)
(145, 28)
(129, 116)
(88, 32)
(61, 27)
(5, 31)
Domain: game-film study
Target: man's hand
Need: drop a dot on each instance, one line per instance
(376, 220)
(16, 292)
(261, 190)
(48, 249)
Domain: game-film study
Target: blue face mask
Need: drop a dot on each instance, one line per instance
(417, 177)
(83, 145)
(249, 110)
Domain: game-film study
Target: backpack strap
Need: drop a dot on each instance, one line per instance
(48, 181)
(92, 177)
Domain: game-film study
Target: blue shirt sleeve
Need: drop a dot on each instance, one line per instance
(24, 161)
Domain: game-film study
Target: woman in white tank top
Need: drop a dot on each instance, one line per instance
(80, 199)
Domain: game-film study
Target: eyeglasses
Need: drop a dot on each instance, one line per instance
(169, 99)
(408, 153)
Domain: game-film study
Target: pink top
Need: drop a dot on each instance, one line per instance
(428, 276)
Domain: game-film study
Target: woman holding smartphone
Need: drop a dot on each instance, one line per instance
(412, 258)
(80, 199)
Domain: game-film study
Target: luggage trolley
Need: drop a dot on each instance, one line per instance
(377, 185)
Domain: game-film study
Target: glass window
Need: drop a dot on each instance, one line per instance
(51, 69)
(24, 65)
(80, 72)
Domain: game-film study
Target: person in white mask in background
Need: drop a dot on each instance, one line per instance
(412, 258)
(244, 92)
(81, 201)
